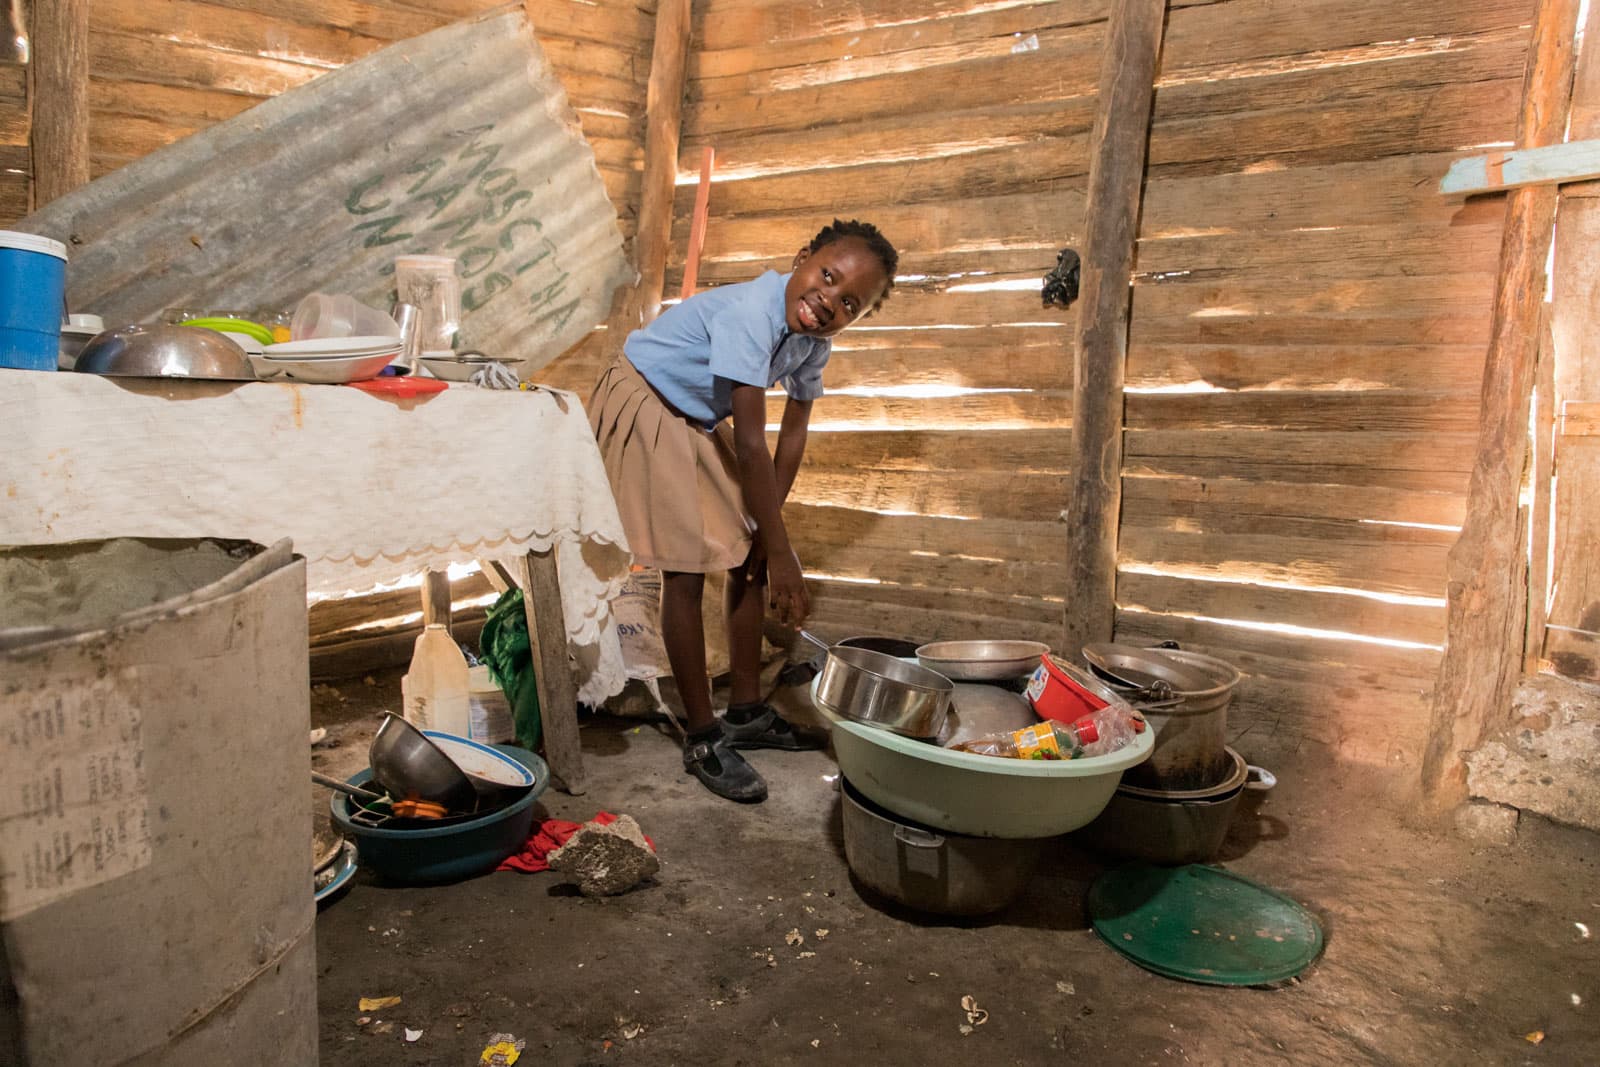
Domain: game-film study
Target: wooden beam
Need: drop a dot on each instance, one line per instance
(669, 60)
(1482, 658)
(558, 697)
(59, 70)
(1580, 418)
(1570, 641)
(1116, 177)
(1555, 164)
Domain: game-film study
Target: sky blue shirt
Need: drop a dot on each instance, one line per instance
(695, 352)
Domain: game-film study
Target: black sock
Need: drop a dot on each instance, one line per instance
(739, 714)
(705, 733)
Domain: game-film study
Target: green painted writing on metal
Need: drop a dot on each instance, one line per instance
(426, 206)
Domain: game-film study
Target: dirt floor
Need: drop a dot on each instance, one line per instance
(1438, 950)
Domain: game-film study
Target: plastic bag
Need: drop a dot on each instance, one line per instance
(1096, 734)
(505, 648)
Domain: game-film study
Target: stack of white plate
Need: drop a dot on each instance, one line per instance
(327, 360)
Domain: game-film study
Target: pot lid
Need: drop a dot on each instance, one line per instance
(1203, 924)
(1147, 669)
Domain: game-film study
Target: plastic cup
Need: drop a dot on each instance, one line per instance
(338, 315)
(33, 286)
(430, 282)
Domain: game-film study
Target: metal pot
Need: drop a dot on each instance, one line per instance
(882, 691)
(949, 874)
(1191, 734)
(1176, 827)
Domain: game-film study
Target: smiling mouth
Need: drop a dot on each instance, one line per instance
(810, 318)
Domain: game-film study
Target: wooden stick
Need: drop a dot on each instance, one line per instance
(697, 224)
(558, 697)
(1116, 176)
(59, 72)
(1555, 164)
(436, 598)
(1539, 479)
(1481, 663)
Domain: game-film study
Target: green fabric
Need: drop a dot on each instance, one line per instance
(505, 648)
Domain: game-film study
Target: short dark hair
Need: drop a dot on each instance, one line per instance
(876, 241)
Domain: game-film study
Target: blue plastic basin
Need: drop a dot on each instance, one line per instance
(445, 853)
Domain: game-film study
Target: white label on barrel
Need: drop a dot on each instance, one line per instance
(73, 798)
(1036, 684)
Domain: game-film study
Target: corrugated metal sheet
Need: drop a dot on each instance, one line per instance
(460, 142)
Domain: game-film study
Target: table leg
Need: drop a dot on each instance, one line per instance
(558, 696)
(436, 598)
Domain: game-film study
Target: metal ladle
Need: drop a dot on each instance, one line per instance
(345, 787)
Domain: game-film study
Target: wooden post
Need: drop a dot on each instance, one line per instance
(1116, 178)
(59, 92)
(558, 697)
(1482, 655)
(1571, 641)
(436, 598)
(669, 59)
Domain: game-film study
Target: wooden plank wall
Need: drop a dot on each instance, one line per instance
(1308, 328)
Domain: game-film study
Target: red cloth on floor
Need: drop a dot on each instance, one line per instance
(548, 836)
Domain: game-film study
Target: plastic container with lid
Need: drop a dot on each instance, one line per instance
(33, 286)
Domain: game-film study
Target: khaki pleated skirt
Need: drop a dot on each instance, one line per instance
(676, 485)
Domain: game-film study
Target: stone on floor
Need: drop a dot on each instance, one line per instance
(607, 859)
(1547, 761)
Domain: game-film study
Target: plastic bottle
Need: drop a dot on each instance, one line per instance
(1095, 734)
(436, 691)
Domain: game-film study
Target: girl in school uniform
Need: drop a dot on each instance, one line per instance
(697, 495)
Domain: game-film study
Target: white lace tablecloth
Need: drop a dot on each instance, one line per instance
(369, 489)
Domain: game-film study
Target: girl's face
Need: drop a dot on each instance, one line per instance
(833, 286)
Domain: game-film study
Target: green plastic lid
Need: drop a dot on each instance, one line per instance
(1203, 924)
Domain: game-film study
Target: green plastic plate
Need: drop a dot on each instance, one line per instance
(1203, 924)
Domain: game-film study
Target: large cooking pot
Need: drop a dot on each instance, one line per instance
(945, 873)
(878, 690)
(1192, 733)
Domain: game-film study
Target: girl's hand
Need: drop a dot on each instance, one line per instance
(755, 564)
(787, 589)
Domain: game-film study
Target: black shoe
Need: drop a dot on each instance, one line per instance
(723, 771)
(769, 730)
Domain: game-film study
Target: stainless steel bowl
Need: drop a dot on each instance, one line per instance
(981, 661)
(880, 690)
(407, 764)
(160, 351)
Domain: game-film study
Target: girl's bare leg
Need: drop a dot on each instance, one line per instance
(684, 638)
(744, 603)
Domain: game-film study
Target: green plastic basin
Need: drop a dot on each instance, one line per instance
(985, 796)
